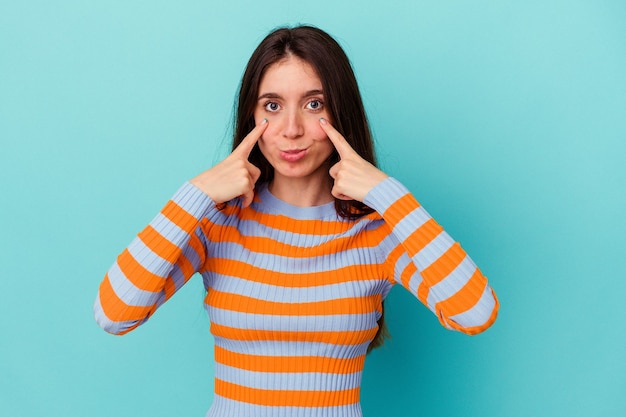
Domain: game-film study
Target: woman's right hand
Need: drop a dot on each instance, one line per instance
(235, 176)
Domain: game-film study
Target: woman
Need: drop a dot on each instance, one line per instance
(299, 238)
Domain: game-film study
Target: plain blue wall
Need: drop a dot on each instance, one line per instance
(506, 119)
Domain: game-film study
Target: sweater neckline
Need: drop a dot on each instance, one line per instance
(269, 203)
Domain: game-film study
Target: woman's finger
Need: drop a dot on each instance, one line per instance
(339, 142)
(247, 144)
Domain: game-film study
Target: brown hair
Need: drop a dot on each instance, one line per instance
(341, 96)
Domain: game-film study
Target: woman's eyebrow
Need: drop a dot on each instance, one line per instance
(313, 93)
(269, 95)
(278, 96)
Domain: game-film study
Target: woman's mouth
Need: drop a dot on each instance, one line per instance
(293, 155)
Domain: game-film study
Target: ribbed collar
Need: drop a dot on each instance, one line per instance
(266, 202)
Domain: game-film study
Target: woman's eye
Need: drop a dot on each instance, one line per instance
(315, 104)
(272, 106)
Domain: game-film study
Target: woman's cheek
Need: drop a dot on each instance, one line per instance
(315, 130)
(319, 135)
(270, 132)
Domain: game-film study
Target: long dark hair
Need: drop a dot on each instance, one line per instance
(342, 101)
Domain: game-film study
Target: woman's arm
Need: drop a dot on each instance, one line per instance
(156, 264)
(170, 249)
(430, 264)
(422, 256)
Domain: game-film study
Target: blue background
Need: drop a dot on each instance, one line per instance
(506, 119)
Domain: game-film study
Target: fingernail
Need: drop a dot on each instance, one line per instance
(264, 121)
(323, 121)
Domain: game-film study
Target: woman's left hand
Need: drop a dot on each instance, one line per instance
(354, 176)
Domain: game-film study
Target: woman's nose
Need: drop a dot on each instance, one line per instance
(293, 127)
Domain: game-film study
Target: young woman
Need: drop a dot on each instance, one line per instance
(298, 238)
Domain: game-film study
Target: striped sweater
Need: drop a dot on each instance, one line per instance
(293, 294)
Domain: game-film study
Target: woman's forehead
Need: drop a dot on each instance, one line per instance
(290, 74)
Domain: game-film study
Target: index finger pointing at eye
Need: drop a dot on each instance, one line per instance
(340, 143)
(247, 144)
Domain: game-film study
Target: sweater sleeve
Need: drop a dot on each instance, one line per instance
(430, 264)
(156, 264)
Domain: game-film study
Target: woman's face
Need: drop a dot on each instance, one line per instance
(292, 100)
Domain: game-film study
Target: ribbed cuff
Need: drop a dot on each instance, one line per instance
(193, 200)
(385, 194)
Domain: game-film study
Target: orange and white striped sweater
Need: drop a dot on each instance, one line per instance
(293, 294)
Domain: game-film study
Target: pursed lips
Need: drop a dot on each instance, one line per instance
(293, 155)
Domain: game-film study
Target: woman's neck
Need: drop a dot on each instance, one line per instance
(302, 192)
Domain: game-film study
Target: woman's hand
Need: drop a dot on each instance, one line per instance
(354, 176)
(235, 176)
